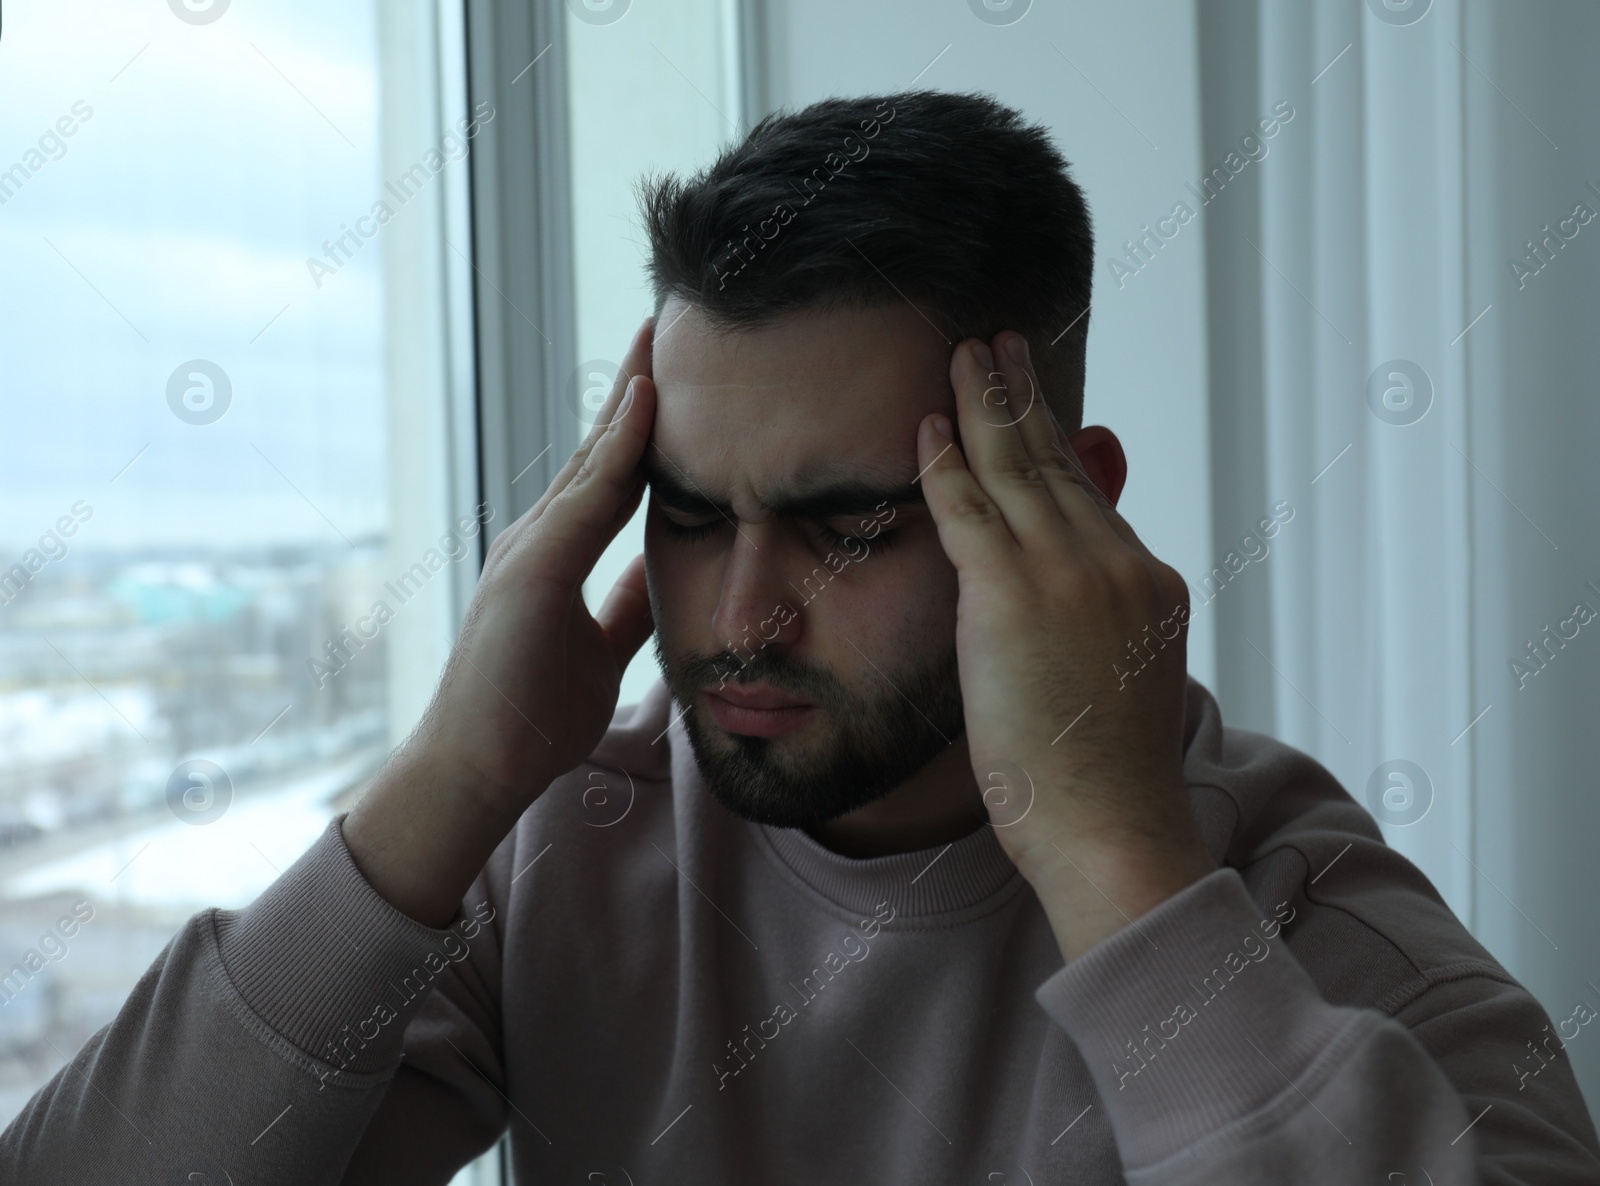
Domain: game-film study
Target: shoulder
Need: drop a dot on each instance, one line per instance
(1365, 922)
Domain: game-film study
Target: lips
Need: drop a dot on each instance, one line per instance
(763, 698)
(758, 712)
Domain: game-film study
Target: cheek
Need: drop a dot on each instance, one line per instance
(676, 596)
(898, 601)
(686, 585)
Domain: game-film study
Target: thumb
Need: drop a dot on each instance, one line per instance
(625, 617)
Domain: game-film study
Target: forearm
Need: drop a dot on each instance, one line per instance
(1195, 1022)
(420, 833)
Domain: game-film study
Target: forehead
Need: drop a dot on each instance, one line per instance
(813, 396)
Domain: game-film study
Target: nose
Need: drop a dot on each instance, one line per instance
(758, 609)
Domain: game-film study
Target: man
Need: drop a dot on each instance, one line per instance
(926, 862)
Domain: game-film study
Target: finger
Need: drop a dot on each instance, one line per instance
(972, 530)
(1171, 582)
(630, 504)
(1064, 476)
(625, 617)
(1107, 511)
(994, 452)
(562, 545)
(1083, 503)
(636, 361)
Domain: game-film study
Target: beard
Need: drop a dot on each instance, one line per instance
(861, 745)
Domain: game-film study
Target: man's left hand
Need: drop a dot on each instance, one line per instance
(1076, 737)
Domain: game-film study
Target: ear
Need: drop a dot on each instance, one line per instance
(1102, 456)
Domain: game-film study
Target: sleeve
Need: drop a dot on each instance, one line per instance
(1218, 1061)
(261, 1044)
(452, 1074)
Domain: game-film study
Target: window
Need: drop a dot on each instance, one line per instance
(235, 422)
(242, 511)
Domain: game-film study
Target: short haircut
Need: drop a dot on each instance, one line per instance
(949, 201)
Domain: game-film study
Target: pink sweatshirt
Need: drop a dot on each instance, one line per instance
(647, 989)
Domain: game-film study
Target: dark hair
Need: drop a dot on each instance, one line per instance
(949, 201)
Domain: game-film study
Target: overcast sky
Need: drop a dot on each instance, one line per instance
(176, 226)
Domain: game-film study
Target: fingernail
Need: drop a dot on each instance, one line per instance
(982, 354)
(941, 426)
(1017, 347)
(627, 396)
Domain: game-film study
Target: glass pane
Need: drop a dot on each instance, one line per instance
(226, 439)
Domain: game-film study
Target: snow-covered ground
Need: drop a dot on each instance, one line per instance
(224, 863)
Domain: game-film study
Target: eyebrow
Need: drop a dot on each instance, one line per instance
(672, 487)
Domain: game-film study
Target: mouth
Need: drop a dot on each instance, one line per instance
(758, 712)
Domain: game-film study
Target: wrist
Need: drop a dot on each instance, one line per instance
(1097, 886)
(455, 758)
(423, 830)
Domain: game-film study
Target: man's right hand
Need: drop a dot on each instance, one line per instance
(532, 681)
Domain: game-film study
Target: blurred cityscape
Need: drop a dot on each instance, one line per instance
(116, 668)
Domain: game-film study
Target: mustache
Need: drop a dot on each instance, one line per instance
(695, 671)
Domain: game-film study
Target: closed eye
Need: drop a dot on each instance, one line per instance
(689, 532)
(840, 540)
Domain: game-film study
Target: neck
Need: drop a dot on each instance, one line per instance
(938, 805)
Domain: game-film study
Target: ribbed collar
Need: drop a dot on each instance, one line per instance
(945, 880)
